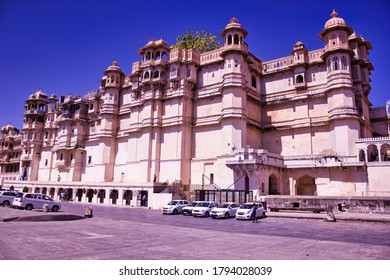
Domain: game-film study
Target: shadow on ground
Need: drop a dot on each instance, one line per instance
(44, 218)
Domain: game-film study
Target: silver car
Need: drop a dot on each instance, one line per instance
(203, 208)
(175, 207)
(225, 210)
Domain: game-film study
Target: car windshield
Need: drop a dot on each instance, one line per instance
(247, 206)
(226, 205)
(173, 202)
(203, 204)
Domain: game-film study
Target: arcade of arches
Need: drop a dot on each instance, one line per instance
(305, 185)
(120, 196)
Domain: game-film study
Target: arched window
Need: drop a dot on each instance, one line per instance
(155, 74)
(299, 79)
(236, 40)
(146, 75)
(164, 56)
(343, 63)
(336, 63)
(158, 55)
(229, 41)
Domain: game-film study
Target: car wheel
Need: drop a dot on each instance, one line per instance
(29, 207)
(6, 203)
(55, 208)
(207, 214)
(175, 212)
(263, 215)
(227, 216)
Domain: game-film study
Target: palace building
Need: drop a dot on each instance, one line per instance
(182, 121)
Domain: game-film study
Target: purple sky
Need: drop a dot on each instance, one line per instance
(65, 46)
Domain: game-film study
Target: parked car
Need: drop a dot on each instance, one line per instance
(225, 210)
(7, 197)
(175, 207)
(204, 208)
(245, 211)
(29, 201)
(187, 210)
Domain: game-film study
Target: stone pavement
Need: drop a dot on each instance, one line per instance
(341, 216)
(7, 213)
(132, 233)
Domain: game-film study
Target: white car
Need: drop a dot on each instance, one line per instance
(7, 197)
(175, 207)
(245, 211)
(29, 201)
(188, 209)
(203, 208)
(225, 210)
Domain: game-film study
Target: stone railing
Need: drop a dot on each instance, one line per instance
(209, 57)
(375, 140)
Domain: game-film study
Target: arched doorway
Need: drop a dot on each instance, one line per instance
(143, 198)
(273, 186)
(114, 196)
(44, 190)
(101, 195)
(127, 196)
(37, 190)
(306, 186)
(52, 192)
(90, 194)
(79, 194)
(68, 194)
(372, 153)
(61, 193)
(385, 152)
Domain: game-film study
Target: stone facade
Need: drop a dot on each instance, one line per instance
(296, 125)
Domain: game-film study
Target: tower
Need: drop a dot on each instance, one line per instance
(111, 86)
(344, 126)
(33, 133)
(234, 99)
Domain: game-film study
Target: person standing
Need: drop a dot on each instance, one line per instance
(253, 214)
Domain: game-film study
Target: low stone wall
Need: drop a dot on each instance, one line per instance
(377, 204)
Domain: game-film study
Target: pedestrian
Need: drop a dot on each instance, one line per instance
(253, 214)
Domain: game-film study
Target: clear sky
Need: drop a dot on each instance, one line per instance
(65, 46)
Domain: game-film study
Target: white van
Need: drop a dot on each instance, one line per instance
(29, 201)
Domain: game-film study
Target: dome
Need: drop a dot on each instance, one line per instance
(38, 94)
(113, 67)
(335, 21)
(299, 45)
(7, 128)
(53, 96)
(234, 25)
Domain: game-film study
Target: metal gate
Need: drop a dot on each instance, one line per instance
(222, 196)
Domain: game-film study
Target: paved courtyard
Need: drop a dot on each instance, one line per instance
(138, 233)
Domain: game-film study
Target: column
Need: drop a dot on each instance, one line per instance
(378, 146)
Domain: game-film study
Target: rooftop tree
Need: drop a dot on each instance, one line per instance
(202, 41)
